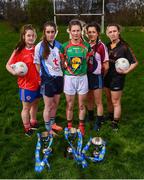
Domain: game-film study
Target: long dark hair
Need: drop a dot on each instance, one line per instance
(96, 26)
(21, 44)
(46, 49)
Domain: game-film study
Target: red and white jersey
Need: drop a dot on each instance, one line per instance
(31, 80)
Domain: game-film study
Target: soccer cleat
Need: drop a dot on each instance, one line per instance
(114, 126)
(103, 120)
(53, 133)
(56, 127)
(29, 133)
(82, 130)
(35, 126)
(97, 126)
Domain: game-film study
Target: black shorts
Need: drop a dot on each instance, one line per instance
(95, 81)
(53, 86)
(115, 82)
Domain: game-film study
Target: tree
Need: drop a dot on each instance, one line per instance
(125, 12)
(40, 11)
(14, 12)
(78, 7)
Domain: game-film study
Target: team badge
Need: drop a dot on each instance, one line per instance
(75, 62)
(28, 98)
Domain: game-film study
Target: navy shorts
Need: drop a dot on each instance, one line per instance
(95, 81)
(28, 95)
(114, 83)
(53, 86)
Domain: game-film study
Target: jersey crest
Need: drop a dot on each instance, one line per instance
(76, 62)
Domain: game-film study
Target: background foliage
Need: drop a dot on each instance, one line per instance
(39, 11)
(124, 12)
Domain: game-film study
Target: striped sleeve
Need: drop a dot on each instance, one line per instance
(104, 53)
(37, 54)
(131, 56)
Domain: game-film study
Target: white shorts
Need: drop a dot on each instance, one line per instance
(75, 84)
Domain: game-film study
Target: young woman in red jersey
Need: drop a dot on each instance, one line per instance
(29, 83)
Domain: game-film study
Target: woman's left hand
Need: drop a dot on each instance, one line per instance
(120, 71)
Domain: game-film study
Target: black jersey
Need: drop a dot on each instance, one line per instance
(114, 80)
(120, 51)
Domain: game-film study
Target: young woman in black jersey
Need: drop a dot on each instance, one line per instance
(114, 79)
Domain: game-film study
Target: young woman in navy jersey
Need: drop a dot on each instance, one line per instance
(114, 79)
(48, 62)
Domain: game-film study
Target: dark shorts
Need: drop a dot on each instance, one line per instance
(53, 85)
(115, 82)
(95, 81)
(28, 95)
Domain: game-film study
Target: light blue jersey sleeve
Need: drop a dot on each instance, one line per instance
(37, 53)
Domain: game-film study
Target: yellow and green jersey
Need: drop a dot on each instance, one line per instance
(75, 57)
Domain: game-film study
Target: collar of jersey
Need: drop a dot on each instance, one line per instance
(79, 44)
(93, 44)
(52, 46)
(116, 44)
(29, 48)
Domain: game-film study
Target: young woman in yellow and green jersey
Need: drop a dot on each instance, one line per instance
(74, 56)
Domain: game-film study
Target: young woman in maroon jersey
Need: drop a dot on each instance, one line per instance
(97, 68)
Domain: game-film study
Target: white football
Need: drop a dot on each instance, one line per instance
(20, 67)
(122, 63)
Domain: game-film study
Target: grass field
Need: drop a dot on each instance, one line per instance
(124, 151)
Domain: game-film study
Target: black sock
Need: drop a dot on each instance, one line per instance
(111, 116)
(99, 120)
(91, 115)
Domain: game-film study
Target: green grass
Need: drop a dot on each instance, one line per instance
(124, 151)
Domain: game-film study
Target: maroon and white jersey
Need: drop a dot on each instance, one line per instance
(100, 56)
